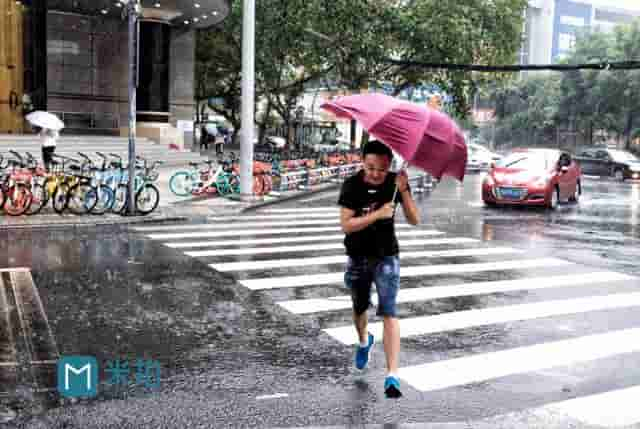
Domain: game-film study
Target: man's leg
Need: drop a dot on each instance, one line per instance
(358, 279)
(391, 338)
(361, 323)
(387, 279)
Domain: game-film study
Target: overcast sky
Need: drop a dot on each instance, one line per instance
(620, 4)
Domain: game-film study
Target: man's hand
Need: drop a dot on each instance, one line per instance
(402, 181)
(385, 212)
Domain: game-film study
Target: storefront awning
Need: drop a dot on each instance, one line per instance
(192, 13)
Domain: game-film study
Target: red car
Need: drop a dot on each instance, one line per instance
(536, 177)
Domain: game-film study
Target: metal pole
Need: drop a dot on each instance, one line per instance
(133, 20)
(248, 88)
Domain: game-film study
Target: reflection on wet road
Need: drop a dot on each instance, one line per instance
(502, 310)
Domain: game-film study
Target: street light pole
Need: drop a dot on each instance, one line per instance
(133, 11)
(248, 94)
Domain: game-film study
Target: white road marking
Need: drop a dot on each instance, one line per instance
(610, 409)
(486, 366)
(274, 396)
(314, 247)
(274, 217)
(303, 239)
(342, 302)
(303, 210)
(415, 271)
(241, 232)
(413, 326)
(339, 259)
(227, 225)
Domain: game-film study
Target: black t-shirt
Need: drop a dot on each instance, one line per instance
(379, 238)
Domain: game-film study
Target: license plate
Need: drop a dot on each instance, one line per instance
(511, 193)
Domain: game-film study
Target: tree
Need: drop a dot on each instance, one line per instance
(363, 35)
(606, 100)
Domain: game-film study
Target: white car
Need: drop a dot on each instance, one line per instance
(333, 146)
(479, 158)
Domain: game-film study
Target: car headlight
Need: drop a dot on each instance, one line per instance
(540, 183)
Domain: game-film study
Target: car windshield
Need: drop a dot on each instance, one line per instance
(622, 156)
(524, 160)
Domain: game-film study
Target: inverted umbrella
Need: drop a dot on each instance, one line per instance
(44, 119)
(424, 137)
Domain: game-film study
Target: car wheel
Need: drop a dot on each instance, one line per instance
(576, 193)
(555, 198)
(618, 175)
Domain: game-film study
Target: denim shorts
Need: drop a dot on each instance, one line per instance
(361, 272)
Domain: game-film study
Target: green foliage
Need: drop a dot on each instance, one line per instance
(585, 101)
(362, 36)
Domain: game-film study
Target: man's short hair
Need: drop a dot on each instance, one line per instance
(376, 147)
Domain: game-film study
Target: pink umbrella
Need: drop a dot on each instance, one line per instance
(424, 137)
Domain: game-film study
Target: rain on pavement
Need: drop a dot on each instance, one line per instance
(502, 310)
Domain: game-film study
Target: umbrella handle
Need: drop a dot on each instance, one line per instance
(395, 191)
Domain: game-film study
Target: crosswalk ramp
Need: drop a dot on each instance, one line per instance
(550, 316)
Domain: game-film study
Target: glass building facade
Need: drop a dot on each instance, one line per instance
(70, 57)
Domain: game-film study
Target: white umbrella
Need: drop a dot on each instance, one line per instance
(43, 119)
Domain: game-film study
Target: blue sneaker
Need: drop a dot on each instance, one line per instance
(392, 387)
(363, 353)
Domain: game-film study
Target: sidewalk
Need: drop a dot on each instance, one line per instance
(174, 209)
(171, 207)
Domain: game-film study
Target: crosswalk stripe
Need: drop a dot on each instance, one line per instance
(342, 302)
(322, 215)
(241, 232)
(316, 246)
(486, 366)
(303, 239)
(421, 270)
(616, 408)
(413, 326)
(227, 225)
(338, 259)
(303, 210)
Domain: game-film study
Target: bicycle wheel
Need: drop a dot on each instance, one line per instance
(120, 199)
(147, 199)
(104, 200)
(181, 183)
(60, 198)
(18, 200)
(222, 184)
(82, 198)
(40, 198)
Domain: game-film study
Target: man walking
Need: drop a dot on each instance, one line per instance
(367, 219)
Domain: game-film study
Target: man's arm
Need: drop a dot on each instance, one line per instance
(350, 223)
(408, 205)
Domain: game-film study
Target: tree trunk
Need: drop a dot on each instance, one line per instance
(265, 120)
(627, 129)
(353, 134)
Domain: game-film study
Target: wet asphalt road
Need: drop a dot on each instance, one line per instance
(234, 357)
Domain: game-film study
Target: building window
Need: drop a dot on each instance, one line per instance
(84, 56)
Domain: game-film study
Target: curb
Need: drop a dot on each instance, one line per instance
(115, 222)
(298, 194)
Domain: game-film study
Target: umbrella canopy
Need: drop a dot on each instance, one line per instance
(424, 137)
(43, 119)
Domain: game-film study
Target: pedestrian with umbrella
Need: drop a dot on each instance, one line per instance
(49, 126)
(424, 138)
